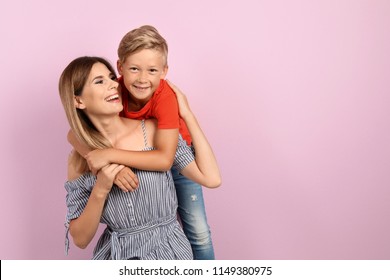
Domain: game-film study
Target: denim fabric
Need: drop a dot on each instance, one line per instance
(193, 216)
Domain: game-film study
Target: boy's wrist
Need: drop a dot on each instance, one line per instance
(112, 155)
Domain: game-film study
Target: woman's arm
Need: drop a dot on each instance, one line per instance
(82, 149)
(204, 170)
(83, 228)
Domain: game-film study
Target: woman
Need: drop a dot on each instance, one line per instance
(141, 224)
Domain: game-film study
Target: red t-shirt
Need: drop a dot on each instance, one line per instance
(162, 106)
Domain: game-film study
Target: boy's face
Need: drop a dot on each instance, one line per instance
(142, 72)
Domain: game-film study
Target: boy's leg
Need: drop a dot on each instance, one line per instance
(193, 216)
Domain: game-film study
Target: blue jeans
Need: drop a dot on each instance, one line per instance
(193, 216)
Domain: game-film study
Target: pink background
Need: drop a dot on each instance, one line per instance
(293, 95)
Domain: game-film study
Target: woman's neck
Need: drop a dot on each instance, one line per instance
(122, 133)
(110, 127)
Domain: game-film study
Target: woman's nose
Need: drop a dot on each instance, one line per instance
(114, 84)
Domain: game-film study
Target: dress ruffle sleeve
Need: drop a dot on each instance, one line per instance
(184, 155)
(78, 192)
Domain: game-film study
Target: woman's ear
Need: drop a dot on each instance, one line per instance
(78, 103)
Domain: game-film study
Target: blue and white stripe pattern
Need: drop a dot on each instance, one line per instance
(141, 224)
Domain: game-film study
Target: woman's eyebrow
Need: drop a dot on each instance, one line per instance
(97, 77)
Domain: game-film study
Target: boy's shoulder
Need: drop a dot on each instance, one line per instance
(163, 89)
(164, 94)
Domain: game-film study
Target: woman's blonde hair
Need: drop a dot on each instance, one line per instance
(144, 37)
(71, 84)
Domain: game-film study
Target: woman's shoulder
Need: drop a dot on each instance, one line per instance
(150, 131)
(151, 124)
(134, 133)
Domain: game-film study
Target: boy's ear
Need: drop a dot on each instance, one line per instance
(164, 72)
(78, 103)
(119, 67)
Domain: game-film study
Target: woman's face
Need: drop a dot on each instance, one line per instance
(100, 95)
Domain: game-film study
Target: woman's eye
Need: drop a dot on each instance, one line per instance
(98, 81)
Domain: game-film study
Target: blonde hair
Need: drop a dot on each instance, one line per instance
(144, 37)
(71, 84)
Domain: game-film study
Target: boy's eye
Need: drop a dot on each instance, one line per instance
(153, 70)
(133, 69)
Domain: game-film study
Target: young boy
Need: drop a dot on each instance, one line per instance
(143, 67)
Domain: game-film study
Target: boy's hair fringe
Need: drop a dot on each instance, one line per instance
(144, 37)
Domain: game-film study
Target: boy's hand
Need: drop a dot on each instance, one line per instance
(184, 107)
(126, 180)
(96, 159)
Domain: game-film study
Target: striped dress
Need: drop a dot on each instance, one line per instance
(141, 224)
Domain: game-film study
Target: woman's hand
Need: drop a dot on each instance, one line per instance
(184, 107)
(106, 176)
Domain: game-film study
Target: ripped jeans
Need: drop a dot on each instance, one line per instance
(193, 216)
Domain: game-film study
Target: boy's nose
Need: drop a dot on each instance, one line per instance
(142, 77)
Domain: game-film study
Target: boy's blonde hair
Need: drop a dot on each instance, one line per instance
(144, 37)
(71, 84)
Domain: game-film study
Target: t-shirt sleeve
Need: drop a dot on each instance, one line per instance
(78, 192)
(167, 110)
(184, 155)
